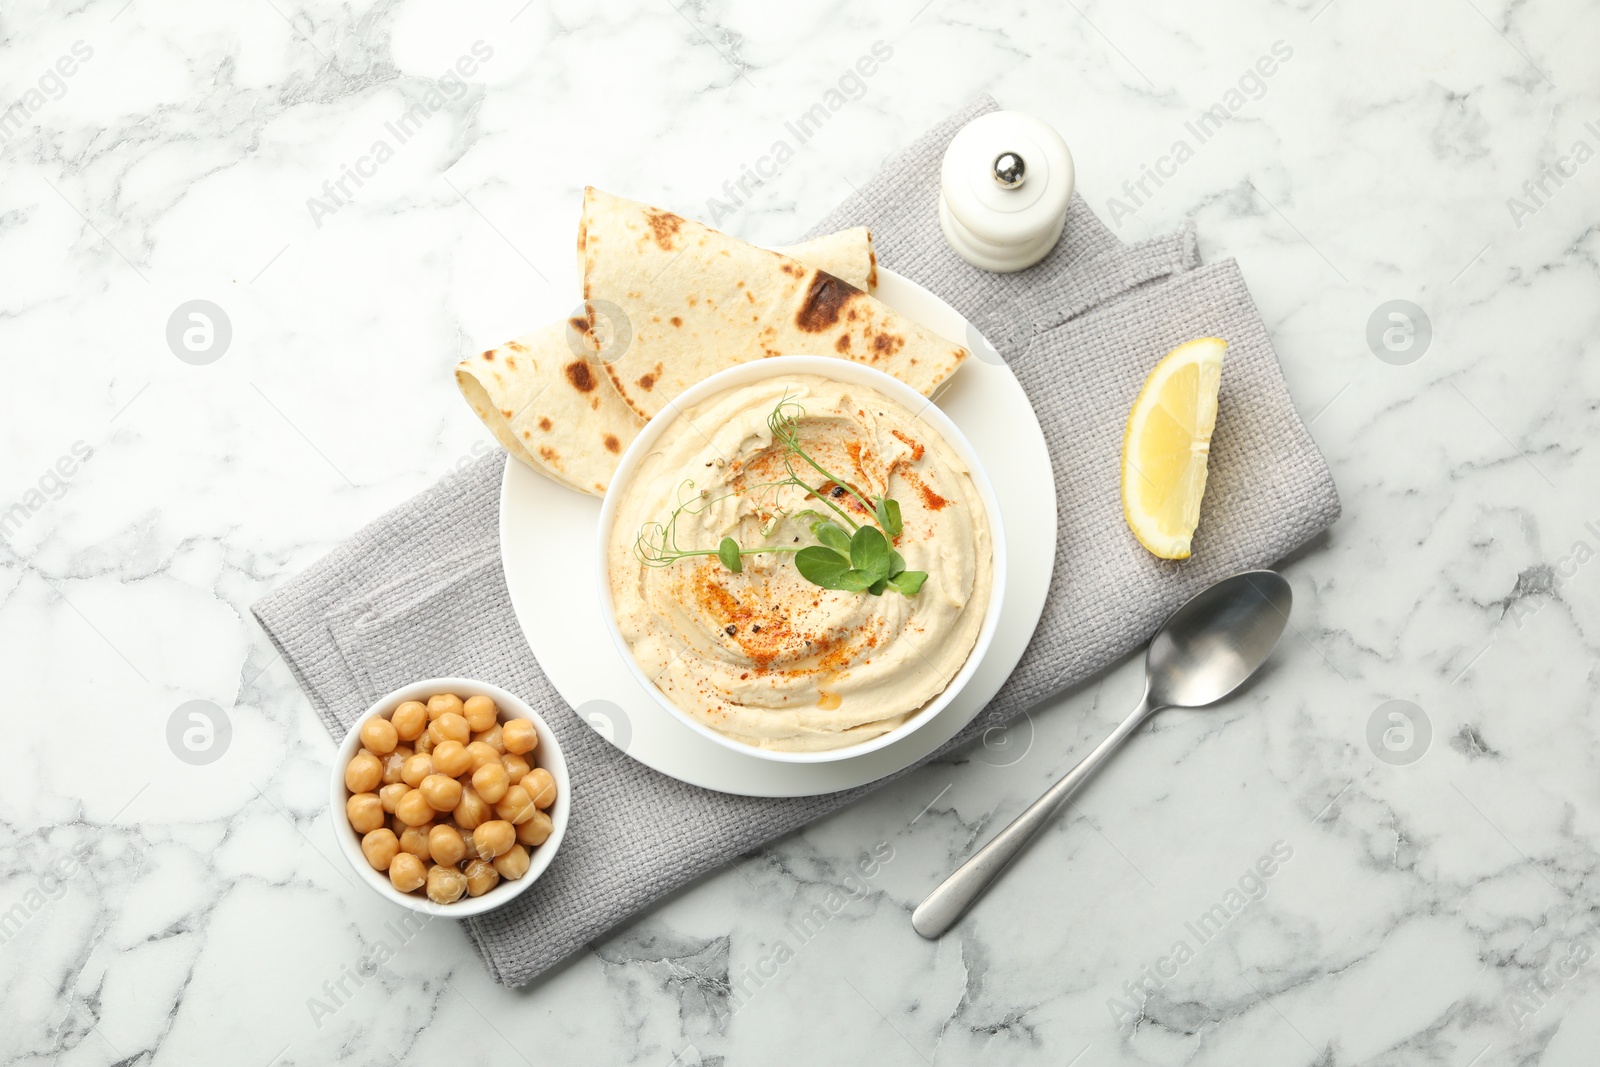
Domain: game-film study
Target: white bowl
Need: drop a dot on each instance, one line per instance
(546, 755)
(851, 373)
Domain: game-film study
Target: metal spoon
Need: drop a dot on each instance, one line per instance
(1204, 651)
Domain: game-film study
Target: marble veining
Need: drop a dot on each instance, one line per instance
(1432, 890)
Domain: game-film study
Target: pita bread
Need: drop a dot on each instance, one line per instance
(847, 254)
(548, 401)
(698, 301)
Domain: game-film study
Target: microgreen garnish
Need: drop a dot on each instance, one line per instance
(888, 513)
(831, 536)
(862, 562)
(657, 543)
(853, 557)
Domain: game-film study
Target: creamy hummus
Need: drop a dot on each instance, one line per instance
(764, 656)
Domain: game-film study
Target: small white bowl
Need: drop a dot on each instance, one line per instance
(546, 755)
(851, 373)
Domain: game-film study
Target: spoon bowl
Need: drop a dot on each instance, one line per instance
(1217, 639)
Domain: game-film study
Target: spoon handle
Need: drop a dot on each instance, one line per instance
(958, 892)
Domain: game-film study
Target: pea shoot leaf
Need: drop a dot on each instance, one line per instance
(908, 583)
(831, 535)
(728, 553)
(869, 553)
(888, 514)
(853, 581)
(821, 565)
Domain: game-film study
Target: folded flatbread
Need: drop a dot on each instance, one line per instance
(547, 398)
(697, 301)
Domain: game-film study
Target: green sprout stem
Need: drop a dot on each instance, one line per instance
(786, 428)
(795, 479)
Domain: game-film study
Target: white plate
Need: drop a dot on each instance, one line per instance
(547, 543)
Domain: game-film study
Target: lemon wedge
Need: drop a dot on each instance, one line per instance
(1165, 446)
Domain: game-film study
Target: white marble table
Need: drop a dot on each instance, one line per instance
(1435, 911)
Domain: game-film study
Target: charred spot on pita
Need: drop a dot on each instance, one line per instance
(825, 301)
(581, 377)
(612, 444)
(664, 227)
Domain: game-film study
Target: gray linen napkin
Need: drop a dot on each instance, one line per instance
(405, 599)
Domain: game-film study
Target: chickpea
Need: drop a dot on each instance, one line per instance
(444, 704)
(379, 735)
(536, 831)
(481, 754)
(410, 719)
(519, 736)
(446, 846)
(516, 806)
(494, 838)
(380, 847)
(516, 767)
(491, 781)
(390, 795)
(415, 769)
(365, 812)
(414, 840)
(363, 773)
(446, 885)
(541, 786)
(407, 872)
(423, 744)
(413, 809)
(450, 758)
(470, 844)
(441, 792)
(480, 712)
(449, 727)
(513, 863)
(481, 877)
(473, 811)
(393, 763)
(493, 738)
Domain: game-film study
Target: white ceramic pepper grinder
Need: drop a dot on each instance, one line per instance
(1004, 188)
